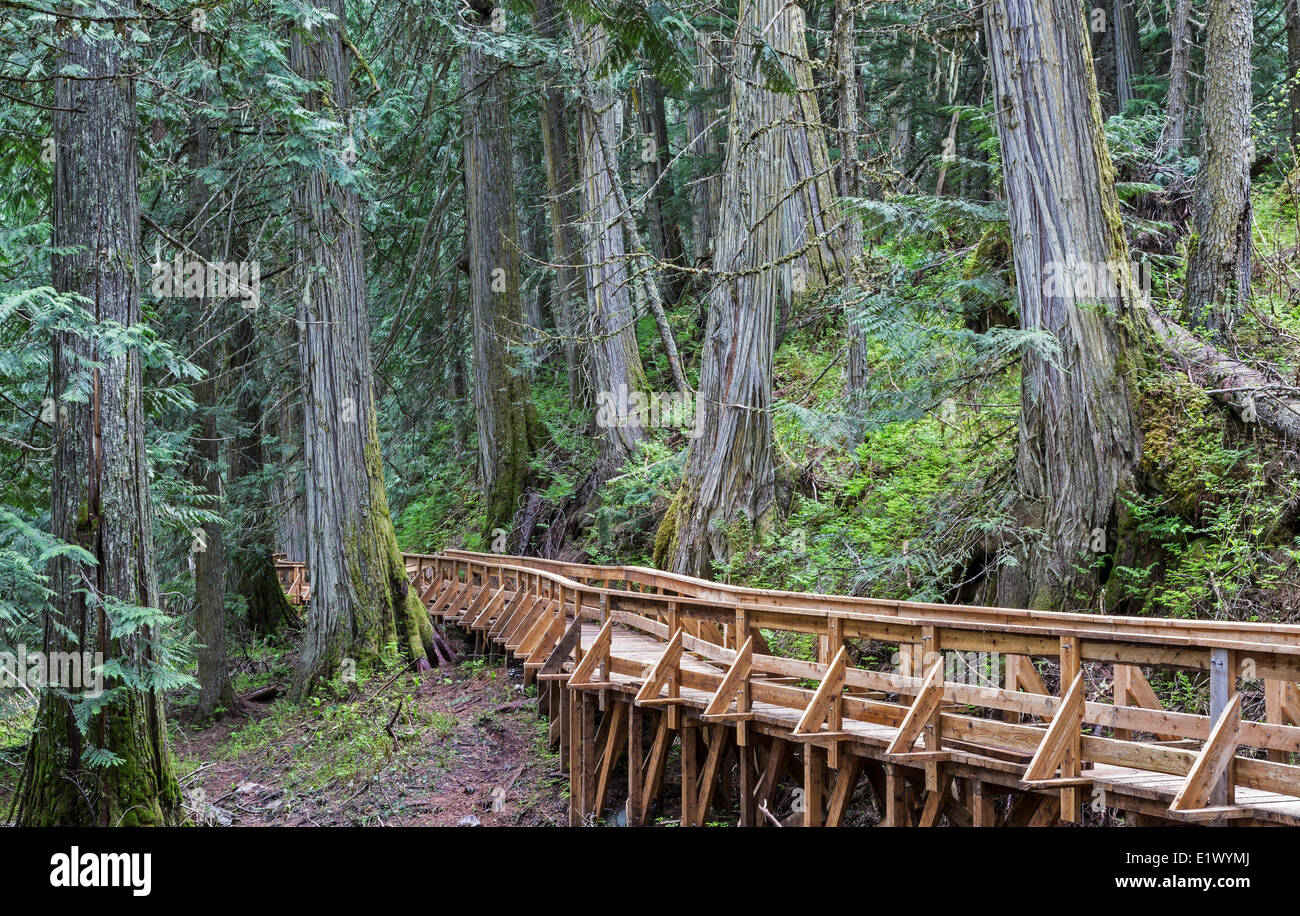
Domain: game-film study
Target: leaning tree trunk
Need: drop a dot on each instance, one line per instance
(360, 595)
(1079, 444)
(100, 500)
(616, 370)
(729, 480)
(656, 156)
(508, 431)
(1218, 261)
(846, 100)
(1174, 134)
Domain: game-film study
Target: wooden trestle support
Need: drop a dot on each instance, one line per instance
(629, 661)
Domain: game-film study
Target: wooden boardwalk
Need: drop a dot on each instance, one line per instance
(960, 729)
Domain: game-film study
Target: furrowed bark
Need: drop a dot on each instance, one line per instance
(1079, 444)
(100, 499)
(642, 272)
(361, 600)
(729, 479)
(616, 370)
(1219, 256)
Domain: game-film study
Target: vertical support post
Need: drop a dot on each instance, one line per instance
(635, 761)
(1122, 675)
(748, 805)
(690, 738)
(572, 705)
(1070, 765)
(895, 797)
(589, 753)
(1221, 683)
(1274, 705)
(814, 780)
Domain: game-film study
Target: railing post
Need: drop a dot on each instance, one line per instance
(1221, 683)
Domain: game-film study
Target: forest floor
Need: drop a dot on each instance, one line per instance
(457, 744)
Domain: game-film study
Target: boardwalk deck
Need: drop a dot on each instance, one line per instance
(629, 662)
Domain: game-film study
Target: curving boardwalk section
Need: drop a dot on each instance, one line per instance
(960, 729)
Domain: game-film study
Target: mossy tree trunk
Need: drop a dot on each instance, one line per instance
(1079, 444)
(100, 500)
(729, 481)
(508, 429)
(1219, 255)
(360, 596)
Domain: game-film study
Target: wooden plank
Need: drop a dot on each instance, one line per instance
(827, 701)
(920, 715)
(597, 654)
(1198, 790)
(635, 764)
(1058, 739)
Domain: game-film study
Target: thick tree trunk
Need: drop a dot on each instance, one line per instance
(560, 181)
(729, 481)
(1079, 444)
(656, 155)
(846, 100)
(100, 499)
(508, 430)
(616, 370)
(1174, 135)
(702, 136)
(360, 598)
(1218, 261)
(209, 544)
